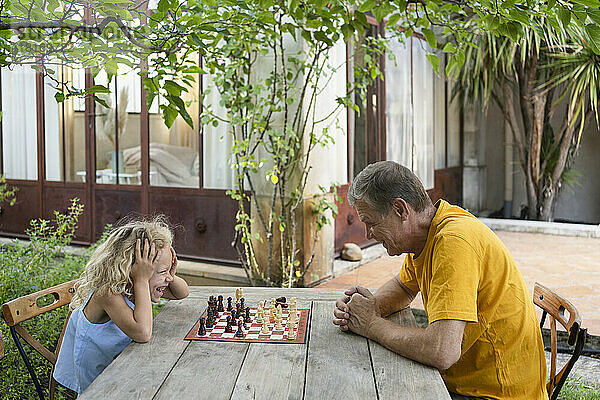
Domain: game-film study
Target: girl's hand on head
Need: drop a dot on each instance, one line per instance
(173, 263)
(143, 268)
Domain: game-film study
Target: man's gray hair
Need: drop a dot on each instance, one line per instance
(380, 183)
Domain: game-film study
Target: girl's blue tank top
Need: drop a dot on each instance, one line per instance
(87, 349)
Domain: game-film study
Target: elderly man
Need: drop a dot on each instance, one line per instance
(483, 333)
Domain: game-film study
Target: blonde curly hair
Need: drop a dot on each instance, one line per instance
(108, 270)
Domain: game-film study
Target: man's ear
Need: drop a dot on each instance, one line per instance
(400, 207)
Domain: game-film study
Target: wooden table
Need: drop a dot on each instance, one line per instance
(331, 365)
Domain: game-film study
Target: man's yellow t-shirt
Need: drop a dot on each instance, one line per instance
(466, 273)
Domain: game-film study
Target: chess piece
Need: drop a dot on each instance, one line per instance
(279, 312)
(229, 306)
(210, 319)
(272, 310)
(220, 307)
(240, 329)
(259, 316)
(278, 319)
(247, 319)
(265, 327)
(291, 332)
(280, 299)
(228, 327)
(242, 305)
(202, 327)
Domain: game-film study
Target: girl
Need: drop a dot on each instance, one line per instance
(112, 304)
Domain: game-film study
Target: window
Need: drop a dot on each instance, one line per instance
(366, 132)
(19, 123)
(416, 111)
(118, 129)
(174, 152)
(64, 127)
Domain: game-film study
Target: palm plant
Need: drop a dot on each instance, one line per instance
(530, 80)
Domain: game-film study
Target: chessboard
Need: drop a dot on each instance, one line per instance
(253, 330)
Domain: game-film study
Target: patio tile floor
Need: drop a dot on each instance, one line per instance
(568, 265)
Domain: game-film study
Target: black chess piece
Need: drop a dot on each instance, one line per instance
(229, 306)
(242, 306)
(210, 321)
(228, 327)
(247, 318)
(202, 327)
(220, 307)
(240, 329)
(280, 299)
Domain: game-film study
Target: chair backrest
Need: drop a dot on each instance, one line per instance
(27, 307)
(559, 309)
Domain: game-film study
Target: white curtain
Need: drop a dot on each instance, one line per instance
(52, 132)
(439, 112)
(217, 141)
(398, 105)
(423, 103)
(19, 123)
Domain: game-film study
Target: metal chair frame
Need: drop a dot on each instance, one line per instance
(26, 307)
(554, 306)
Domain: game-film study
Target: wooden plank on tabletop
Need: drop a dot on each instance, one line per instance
(338, 364)
(400, 378)
(139, 371)
(206, 370)
(272, 371)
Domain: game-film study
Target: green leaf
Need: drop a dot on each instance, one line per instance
(435, 62)
(394, 19)
(593, 32)
(367, 5)
(98, 89)
(449, 48)
(347, 31)
(60, 97)
(564, 15)
(173, 88)
(594, 14)
(430, 36)
(589, 3)
(169, 115)
(520, 16)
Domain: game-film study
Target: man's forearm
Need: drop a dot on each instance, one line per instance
(392, 297)
(428, 346)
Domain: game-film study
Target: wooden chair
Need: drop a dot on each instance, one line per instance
(561, 310)
(27, 307)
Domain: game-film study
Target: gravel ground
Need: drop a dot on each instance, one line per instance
(587, 368)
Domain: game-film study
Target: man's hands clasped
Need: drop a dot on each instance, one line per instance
(356, 311)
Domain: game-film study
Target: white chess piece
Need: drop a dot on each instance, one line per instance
(278, 325)
(259, 316)
(291, 330)
(265, 327)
